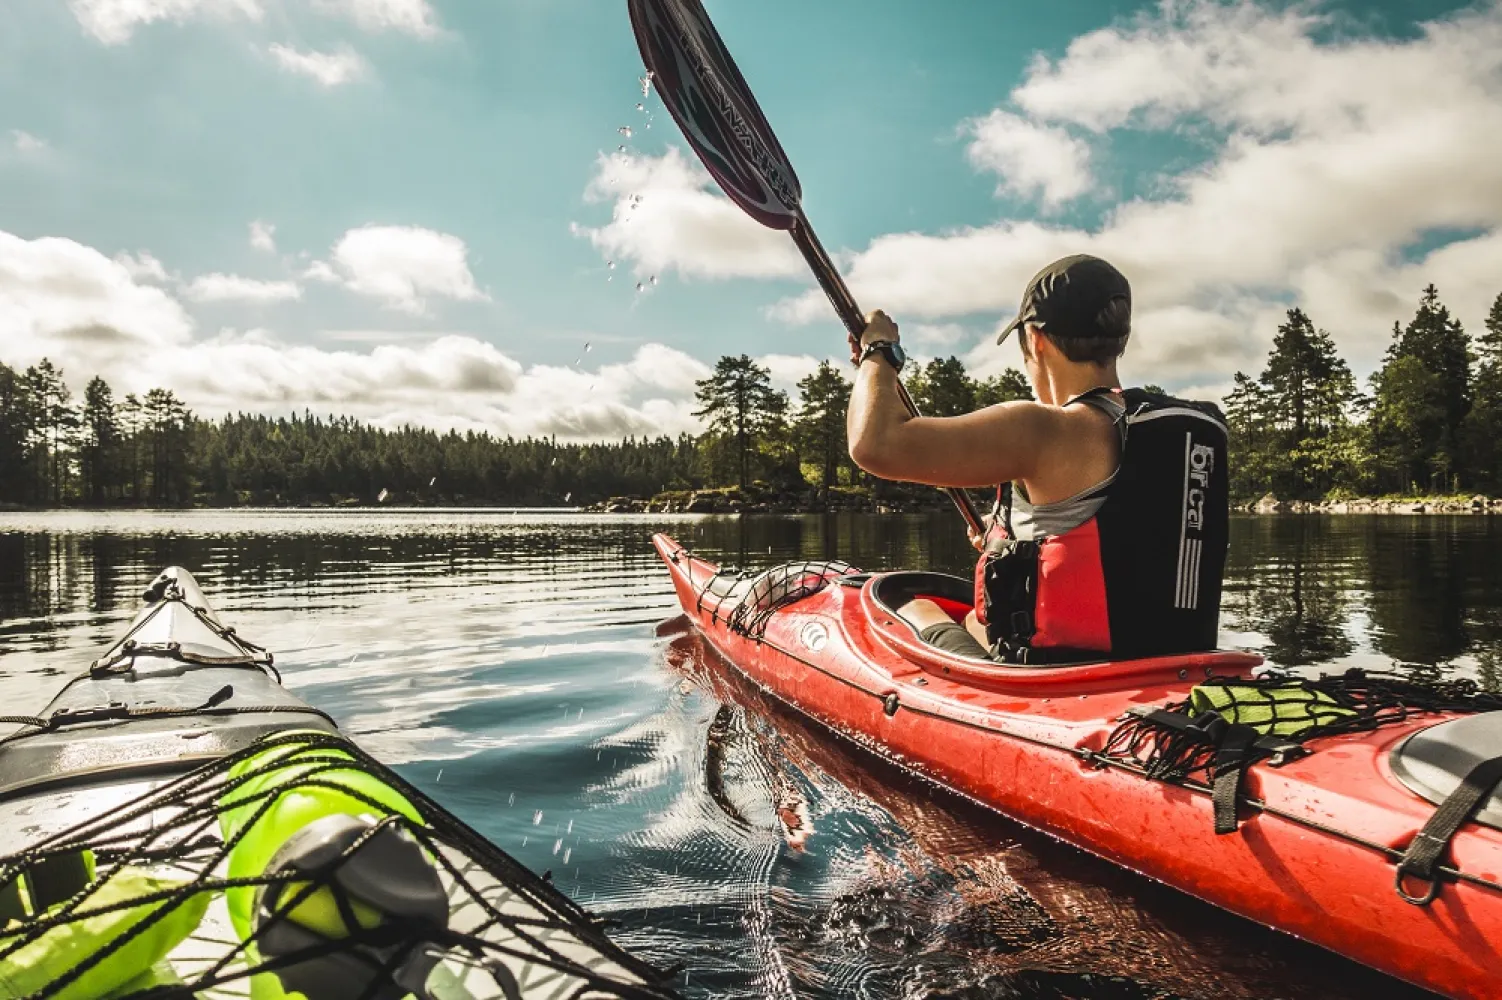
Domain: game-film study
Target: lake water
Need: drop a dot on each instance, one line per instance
(508, 663)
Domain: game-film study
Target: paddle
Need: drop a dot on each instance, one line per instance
(708, 98)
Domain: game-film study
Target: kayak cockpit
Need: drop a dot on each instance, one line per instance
(883, 593)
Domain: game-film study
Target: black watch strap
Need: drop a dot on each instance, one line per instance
(884, 348)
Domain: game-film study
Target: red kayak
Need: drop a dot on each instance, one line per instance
(1312, 832)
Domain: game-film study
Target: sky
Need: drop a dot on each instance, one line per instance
(428, 211)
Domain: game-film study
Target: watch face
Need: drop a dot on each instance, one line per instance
(898, 355)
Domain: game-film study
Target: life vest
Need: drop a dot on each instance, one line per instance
(1141, 576)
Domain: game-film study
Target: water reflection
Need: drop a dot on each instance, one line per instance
(1416, 592)
(508, 664)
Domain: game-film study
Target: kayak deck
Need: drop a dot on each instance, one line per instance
(131, 774)
(1318, 837)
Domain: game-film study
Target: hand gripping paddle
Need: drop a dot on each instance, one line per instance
(708, 98)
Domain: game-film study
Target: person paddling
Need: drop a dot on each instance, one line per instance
(1108, 536)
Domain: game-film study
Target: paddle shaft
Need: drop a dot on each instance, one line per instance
(855, 321)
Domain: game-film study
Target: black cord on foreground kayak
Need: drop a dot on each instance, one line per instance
(1229, 724)
(402, 900)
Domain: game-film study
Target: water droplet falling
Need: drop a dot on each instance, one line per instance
(640, 106)
(537, 817)
(646, 83)
(382, 497)
(620, 149)
(653, 279)
(433, 481)
(625, 130)
(586, 347)
(610, 264)
(568, 496)
(639, 286)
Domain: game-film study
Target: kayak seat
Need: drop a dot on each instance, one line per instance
(894, 590)
(952, 594)
(1433, 762)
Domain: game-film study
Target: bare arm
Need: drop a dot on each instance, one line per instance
(998, 444)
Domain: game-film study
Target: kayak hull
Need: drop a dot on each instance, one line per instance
(1314, 853)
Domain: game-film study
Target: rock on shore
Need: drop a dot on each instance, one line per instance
(1270, 504)
(760, 498)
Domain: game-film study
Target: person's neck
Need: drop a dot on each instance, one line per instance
(1064, 384)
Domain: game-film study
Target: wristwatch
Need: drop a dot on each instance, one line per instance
(892, 351)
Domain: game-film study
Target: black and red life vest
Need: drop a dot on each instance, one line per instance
(1142, 576)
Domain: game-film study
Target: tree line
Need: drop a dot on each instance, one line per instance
(151, 450)
(1429, 421)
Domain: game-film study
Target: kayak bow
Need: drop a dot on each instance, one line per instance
(1317, 831)
(177, 823)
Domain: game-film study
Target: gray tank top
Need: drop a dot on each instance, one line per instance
(1032, 522)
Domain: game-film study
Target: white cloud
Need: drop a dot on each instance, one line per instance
(112, 22)
(92, 316)
(1328, 156)
(328, 68)
(936, 336)
(263, 236)
(787, 369)
(66, 301)
(412, 17)
(452, 381)
(233, 288)
(402, 266)
(319, 270)
(1029, 158)
(26, 143)
(142, 266)
(667, 216)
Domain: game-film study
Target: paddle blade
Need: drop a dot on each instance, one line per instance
(708, 98)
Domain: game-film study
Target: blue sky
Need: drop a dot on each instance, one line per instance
(404, 209)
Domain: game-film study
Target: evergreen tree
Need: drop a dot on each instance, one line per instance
(1254, 458)
(131, 419)
(738, 403)
(1481, 431)
(1309, 392)
(1004, 388)
(1417, 436)
(819, 427)
(167, 422)
(1292, 431)
(1407, 423)
(17, 435)
(97, 459)
(942, 388)
(55, 423)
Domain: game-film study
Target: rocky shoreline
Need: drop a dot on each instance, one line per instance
(1270, 504)
(756, 500)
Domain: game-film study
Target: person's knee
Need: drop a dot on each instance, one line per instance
(922, 613)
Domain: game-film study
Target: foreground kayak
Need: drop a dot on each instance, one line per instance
(1316, 829)
(175, 823)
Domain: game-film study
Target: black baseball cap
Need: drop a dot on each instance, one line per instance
(1067, 296)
